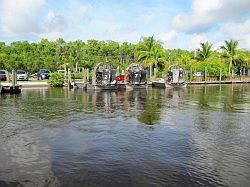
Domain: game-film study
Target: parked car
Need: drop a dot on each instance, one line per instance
(43, 74)
(198, 74)
(34, 75)
(3, 75)
(22, 75)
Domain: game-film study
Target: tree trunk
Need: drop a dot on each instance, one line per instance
(220, 74)
(230, 67)
(156, 70)
(150, 71)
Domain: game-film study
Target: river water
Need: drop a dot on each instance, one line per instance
(198, 136)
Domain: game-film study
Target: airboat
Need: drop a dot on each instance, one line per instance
(175, 78)
(135, 77)
(104, 78)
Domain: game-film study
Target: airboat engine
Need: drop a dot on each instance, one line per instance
(136, 75)
(103, 75)
(175, 75)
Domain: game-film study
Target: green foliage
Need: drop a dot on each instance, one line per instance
(56, 79)
(230, 52)
(59, 54)
(77, 75)
(214, 67)
(231, 47)
(205, 51)
(150, 52)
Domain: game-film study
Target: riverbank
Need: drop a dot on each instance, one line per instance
(41, 84)
(29, 84)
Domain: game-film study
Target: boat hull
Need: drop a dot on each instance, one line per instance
(168, 85)
(156, 84)
(176, 85)
(106, 87)
(136, 86)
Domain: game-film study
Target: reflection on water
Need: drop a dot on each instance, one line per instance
(195, 136)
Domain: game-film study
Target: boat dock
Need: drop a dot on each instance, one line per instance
(219, 82)
(9, 88)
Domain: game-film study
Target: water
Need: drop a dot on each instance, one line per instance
(199, 136)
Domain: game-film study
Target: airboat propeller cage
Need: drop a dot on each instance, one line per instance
(135, 74)
(175, 74)
(103, 74)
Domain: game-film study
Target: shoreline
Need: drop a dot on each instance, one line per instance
(217, 82)
(43, 84)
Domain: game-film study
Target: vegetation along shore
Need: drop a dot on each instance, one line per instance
(226, 62)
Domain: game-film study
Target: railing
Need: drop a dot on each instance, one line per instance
(211, 79)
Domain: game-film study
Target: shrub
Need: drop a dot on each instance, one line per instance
(77, 75)
(56, 79)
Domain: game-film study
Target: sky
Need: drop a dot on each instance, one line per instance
(177, 23)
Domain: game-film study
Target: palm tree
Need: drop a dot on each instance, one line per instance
(150, 52)
(205, 51)
(231, 49)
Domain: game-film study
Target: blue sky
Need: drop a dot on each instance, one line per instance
(177, 23)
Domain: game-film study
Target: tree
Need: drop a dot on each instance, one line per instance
(150, 52)
(126, 53)
(205, 51)
(231, 49)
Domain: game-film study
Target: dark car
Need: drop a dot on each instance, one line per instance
(3, 75)
(43, 74)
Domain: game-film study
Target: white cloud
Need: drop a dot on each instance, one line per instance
(55, 22)
(82, 9)
(236, 28)
(213, 21)
(173, 39)
(196, 39)
(54, 27)
(53, 35)
(208, 20)
(207, 14)
(21, 16)
(169, 39)
(31, 19)
(237, 31)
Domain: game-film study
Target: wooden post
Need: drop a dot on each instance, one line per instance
(69, 79)
(191, 75)
(150, 72)
(65, 71)
(87, 74)
(205, 74)
(118, 71)
(13, 78)
(244, 74)
(83, 75)
(241, 74)
(232, 75)
(8, 77)
(155, 72)
(76, 70)
(220, 74)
